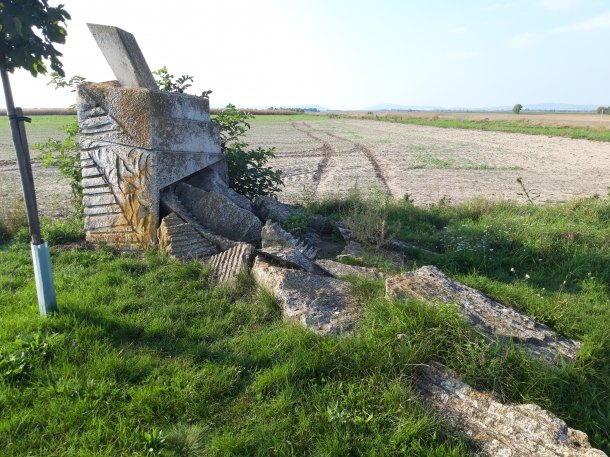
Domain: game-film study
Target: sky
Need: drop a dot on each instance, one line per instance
(352, 54)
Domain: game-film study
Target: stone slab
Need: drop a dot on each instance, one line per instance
(319, 303)
(491, 318)
(499, 429)
(171, 203)
(124, 56)
(228, 264)
(179, 240)
(219, 214)
(338, 270)
(279, 244)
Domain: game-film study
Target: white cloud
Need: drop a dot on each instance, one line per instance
(523, 40)
(557, 5)
(601, 21)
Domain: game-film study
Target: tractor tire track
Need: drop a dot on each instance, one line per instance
(330, 152)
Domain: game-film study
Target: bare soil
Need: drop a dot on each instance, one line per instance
(330, 156)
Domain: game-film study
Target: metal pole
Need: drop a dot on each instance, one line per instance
(43, 274)
(25, 168)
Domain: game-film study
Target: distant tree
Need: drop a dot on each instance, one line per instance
(603, 110)
(517, 108)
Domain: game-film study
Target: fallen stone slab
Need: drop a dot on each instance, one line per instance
(170, 202)
(319, 303)
(491, 318)
(179, 240)
(215, 179)
(499, 429)
(219, 214)
(337, 269)
(228, 264)
(270, 208)
(280, 245)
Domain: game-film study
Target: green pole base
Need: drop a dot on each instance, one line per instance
(47, 302)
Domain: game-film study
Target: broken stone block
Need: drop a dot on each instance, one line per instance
(215, 179)
(338, 269)
(499, 429)
(219, 214)
(124, 56)
(319, 303)
(171, 203)
(269, 208)
(179, 240)
(228, 264)
(280, 245)
(491, 318)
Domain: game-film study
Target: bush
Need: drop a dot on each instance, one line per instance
(248, 171)
(65, 155)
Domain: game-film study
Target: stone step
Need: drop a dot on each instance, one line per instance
(499, 429)
(228, 264)
(489, 317)
(337, 270)
(179, 240)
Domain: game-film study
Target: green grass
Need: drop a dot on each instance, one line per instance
(150, 357)
(587, 133)
(39, 130)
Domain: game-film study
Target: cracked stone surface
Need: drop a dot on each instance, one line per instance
(486, 315)
(499, 429)
(319, 303)
(338, 269)
(279, 244)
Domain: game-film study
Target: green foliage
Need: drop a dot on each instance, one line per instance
(366, 216)
(65, 155)
(168, 83)
(233, 125)
(517, 108)
(298, 222)
(603, 110)
(248, 171)
(28, 31)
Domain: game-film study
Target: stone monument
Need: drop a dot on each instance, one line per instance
(137, 141)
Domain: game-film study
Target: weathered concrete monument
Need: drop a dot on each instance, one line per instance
(137, 141)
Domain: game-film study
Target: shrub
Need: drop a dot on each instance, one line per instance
(65, 155)
(248, 171)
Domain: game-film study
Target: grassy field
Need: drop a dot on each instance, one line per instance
(524, 124)
(150, 357)
(39, 130)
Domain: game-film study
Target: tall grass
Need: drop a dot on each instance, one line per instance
(151, 357)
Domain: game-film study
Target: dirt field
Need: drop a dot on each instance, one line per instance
(429, 163)
(330, 156)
